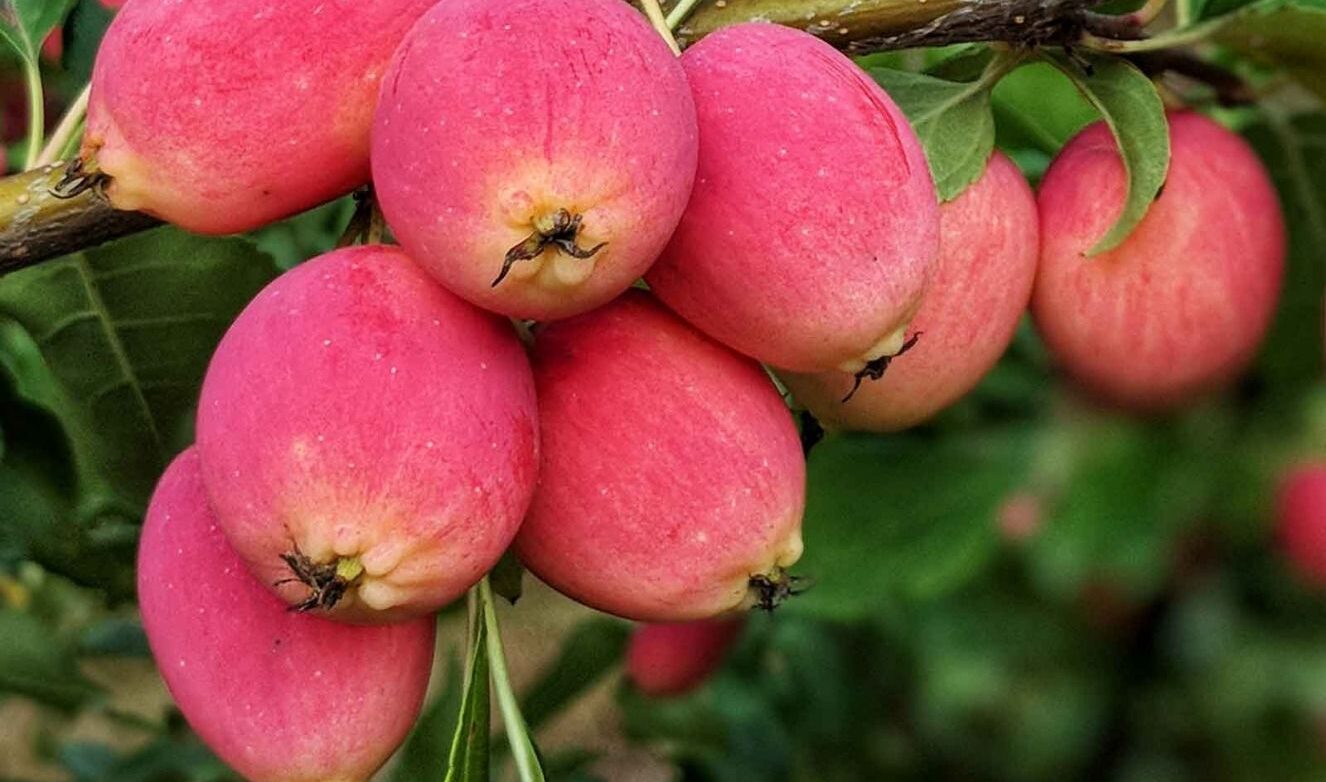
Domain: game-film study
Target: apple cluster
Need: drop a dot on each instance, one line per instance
(382, 422)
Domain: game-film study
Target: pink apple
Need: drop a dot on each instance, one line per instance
(1302, 522)
(534, 155)
(279, 696)
(673, 482)
(226, 115)
(812, 230)
(369, 440)
(1180, 307)
(673, 659)
(987, 262)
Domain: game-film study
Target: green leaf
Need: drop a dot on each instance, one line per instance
(591, 649)
(1130, 491)
(468, 759)
(84, 30)
(886, 521)
(1286, 34)
(1294, 151)
(1128, 101)
(1038, 107)
(125, 333)
(952, 120)
(36, 663)
(25, 23)
(37, 487)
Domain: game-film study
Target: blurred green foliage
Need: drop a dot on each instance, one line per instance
(1026, 588)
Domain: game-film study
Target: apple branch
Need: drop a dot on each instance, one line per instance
(40, 219)
(867, 26)
(38, 222)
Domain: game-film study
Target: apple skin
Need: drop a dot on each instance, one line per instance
(674, 659)
(989, 242)
(357, 413)
(1302, 520)
(227, 115)
(1178, 309)
(672, 471)
(813, 227)
(497, 113)
(279, 696)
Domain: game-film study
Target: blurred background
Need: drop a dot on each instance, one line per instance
(1027, 588)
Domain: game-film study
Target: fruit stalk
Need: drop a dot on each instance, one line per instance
(43, 227)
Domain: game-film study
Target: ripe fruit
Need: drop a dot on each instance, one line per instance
(367, 437)
(1179, 308)
(534, 155)
(227, 115)
(52, 48)
(812, 230)
(1302, 510)
(673, 482)
(279, 696)
(987, 263)
(672, 659)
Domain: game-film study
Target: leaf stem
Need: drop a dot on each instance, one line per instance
(1185, 37)
(517, 733)
(680, 12)
(655, 14)
(66, 130)
(36, 112)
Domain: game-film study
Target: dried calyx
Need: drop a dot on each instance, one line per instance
(559, 229)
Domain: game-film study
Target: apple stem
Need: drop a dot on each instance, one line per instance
(517, 731)
(66, 130)
(656, 18)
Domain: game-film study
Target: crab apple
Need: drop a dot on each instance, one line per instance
(1177, 309)
(280, 696)
(52, 48)
(987, 263)
(812, 230)
(369, 440)
(1302, 527)
(224, 116)
(673, 482)
(673, 659)
(534, 155)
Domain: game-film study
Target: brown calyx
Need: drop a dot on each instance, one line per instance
(561, 230)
